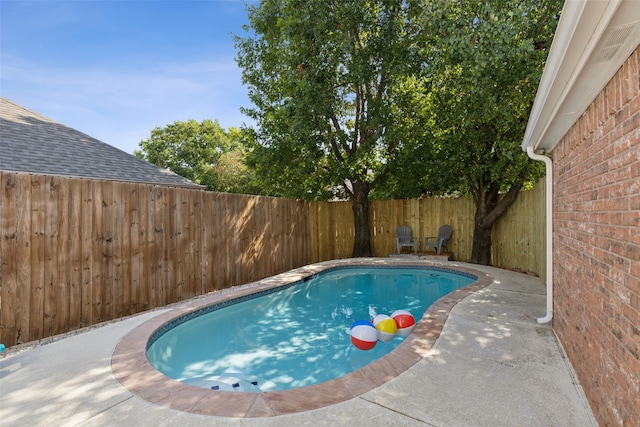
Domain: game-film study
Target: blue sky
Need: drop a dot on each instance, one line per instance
(117, 69)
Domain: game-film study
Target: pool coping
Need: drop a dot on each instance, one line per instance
(131, 368)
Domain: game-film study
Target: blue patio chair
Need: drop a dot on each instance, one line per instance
(439, 242)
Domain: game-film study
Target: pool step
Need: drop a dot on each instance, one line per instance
(230, 382)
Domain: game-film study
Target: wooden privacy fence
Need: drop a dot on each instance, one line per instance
(518, 237)
(76, 252)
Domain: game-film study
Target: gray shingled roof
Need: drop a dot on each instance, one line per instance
(33, 143)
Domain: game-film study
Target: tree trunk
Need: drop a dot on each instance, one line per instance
(360, 206)
(489, 209)
(481, 249)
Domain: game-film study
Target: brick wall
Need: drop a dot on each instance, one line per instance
(596, 231)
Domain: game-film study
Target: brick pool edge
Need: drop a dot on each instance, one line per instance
(133, 371)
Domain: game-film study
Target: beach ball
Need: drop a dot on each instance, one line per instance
(363, 335)
(386, 327)
(404, 321)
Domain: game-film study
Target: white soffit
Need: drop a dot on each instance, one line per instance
(593, 39)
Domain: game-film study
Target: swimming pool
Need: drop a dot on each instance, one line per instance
(131, 367)
(297, 336)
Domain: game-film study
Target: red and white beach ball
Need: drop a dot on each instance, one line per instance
(386, 327)
(364, 335)
(404, 321)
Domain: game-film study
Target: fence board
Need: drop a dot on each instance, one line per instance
(175, 254)
(8, 261)
(107, 237)
(61, 288)
(260, 239)
(97, 267)
(74, 262)
(314, 246)
(24, 246)
(237, 203)
(197, 255)
(119, 218)
(166, 218)
(50, 243)
(228, 217)
(205, 239)
(243, 249)
(38, 209)
(273, 230)
(22, 203)
(220, 254)
(123, 260)
(279, 225)
(171, 246)
(252, 214)
(259, 247)
(156, 287)
(226, 225)
(326, 238)
(147, 242)
(285, 236)
(302, 250)
(216, 262)
(183, 250)
(196, 237)
(86, 314)
(135, 245)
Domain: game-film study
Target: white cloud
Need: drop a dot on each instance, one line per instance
(120, 104)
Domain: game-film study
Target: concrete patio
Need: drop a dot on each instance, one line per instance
(493, 365)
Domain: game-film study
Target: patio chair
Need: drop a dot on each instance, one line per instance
(403, 238)
(439, 242)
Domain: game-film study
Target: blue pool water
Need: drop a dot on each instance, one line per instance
(296, 336)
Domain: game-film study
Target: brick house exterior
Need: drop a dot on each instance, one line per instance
(585, 126)
(596, 235)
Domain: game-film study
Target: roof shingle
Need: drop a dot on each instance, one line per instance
(30, 142)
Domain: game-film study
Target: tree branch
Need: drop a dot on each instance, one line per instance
(359, 109)
(332, 139)
(504, 203)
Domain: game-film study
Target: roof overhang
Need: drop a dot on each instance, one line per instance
(593, 39)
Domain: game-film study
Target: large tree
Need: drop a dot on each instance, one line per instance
(482, 64)
(203, 152)
(326, 79)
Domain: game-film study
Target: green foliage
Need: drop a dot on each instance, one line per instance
(203, 152)
(393, 98)
(406, 98)
(234, 175)
(327, 80)
(482, 62)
